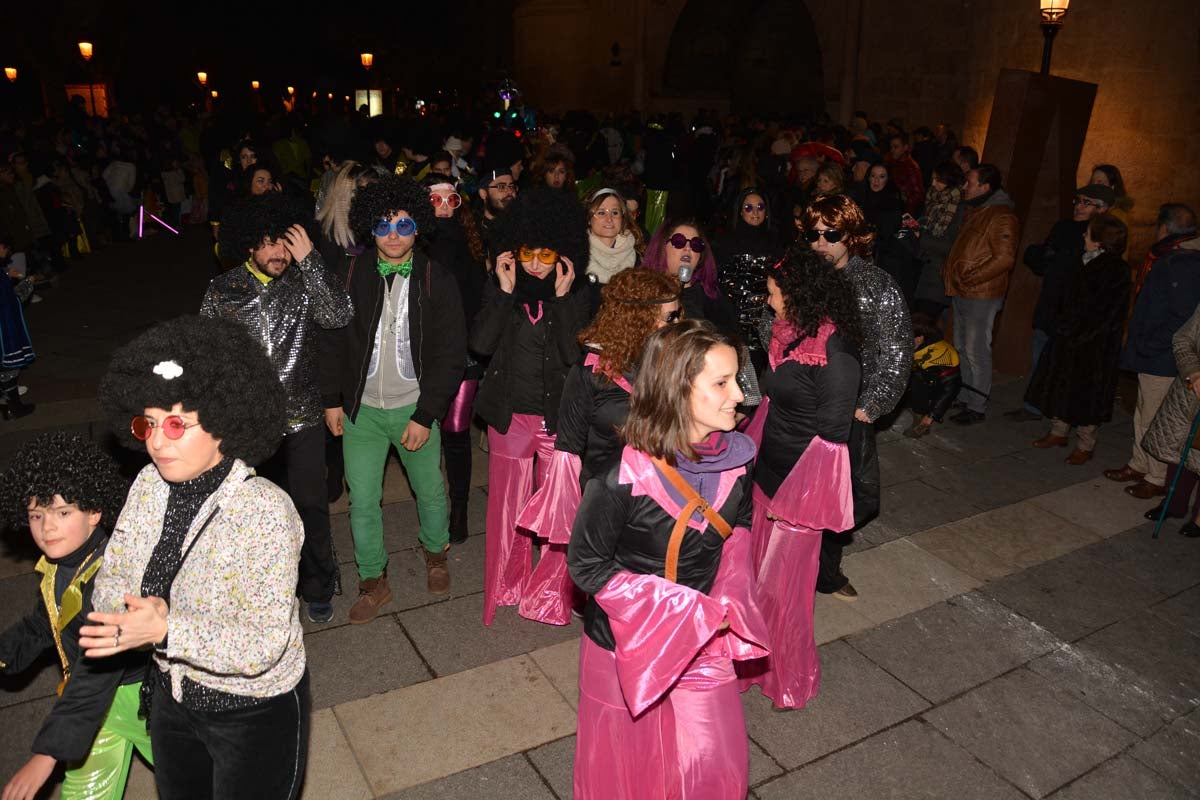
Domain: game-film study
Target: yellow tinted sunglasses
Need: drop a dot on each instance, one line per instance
(543, 254)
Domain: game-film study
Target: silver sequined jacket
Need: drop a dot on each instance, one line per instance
(281, 315)
(887, 346)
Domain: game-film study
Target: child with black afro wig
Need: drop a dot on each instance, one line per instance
(246, 223)
(533, 311)
(68, 493)
(213, 367)
(383, 198)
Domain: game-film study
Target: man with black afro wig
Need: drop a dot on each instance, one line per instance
(529, 324)
(68, 493)
(390, 375)
(283, 295)
(211, 367)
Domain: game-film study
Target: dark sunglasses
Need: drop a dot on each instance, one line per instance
(832, 236)
(405, 226)
(173, 427)
(754, 207)
(679, 241)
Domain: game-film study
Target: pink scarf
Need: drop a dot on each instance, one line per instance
(810, 349)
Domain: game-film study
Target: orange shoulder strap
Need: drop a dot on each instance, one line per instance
(694, 503)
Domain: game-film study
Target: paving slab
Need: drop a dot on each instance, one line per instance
(903, 459)
(834, 618)
(1169, 564)
(1121, 778)
(857, 698)
(1004, 540)
(18, 597)
(914, 506)
(1100, 505)
(509, 777)
(1174, 753)
(1034, 734)
(332, 770)
(898, 577)
(1116, 691)
(953, 646)
(1182, 610)
(438, 728)
(1073, 595)
(560, 662)
(140, 785)
(907, 761)
(451, 636)
(354, 661)
(1163, 655)
(19, 724)
(992, 439)
(994, 482)
(555, 762)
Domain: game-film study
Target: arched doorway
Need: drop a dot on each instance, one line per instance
(763, 54)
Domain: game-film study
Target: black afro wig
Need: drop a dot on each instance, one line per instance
(65, 464)
(385, 197)
(247, 222)
(545, 217)
(213, 367)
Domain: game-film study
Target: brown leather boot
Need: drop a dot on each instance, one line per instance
(373, 593)
(437, 573)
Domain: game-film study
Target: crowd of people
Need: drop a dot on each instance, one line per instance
(678, 343)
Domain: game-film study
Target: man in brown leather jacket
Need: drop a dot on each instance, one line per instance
(976, 276)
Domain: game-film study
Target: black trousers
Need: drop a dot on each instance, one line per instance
(298, 466)
(864, 477)
(256, 753)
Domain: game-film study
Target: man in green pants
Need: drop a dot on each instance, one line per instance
(389, 376)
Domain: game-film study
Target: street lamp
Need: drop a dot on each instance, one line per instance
(254, 85)
(291, 90)
(11, 74)
(1053, 12)
(367, 60)
(214, 94)
(85, 50)
(202, 77)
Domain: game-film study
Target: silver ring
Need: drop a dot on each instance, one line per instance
(117, 637)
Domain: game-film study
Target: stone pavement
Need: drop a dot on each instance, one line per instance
(1018, 633)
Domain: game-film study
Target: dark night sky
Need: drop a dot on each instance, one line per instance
(152, 51)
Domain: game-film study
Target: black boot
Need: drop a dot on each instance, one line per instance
(13, 407)
(457, 448)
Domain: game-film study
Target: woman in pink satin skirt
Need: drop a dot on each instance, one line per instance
(661, 543)
(802, 476)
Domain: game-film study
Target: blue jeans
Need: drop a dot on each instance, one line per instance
(1037, 345)
(973, 320)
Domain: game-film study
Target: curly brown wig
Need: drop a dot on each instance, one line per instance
(629, 312)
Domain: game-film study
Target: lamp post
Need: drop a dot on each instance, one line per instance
(85, 50)
(202, 77)
(1053, 12)
(11, 74)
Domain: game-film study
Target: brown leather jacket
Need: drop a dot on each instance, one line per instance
(984, 252)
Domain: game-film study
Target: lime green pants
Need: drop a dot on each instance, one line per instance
(102, 775)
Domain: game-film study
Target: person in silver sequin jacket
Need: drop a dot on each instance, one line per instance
(282, 294)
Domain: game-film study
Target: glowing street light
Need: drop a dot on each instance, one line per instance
(85, 50)
(11, 74)
(214, 94)
(254, 85)
(291, 90)
(367, 59)
(202, 77)
(1053, 12)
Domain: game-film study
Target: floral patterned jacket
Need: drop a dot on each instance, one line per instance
(234, 619)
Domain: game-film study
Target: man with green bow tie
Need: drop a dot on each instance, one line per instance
(390, 375)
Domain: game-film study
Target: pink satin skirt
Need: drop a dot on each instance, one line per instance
(789, 556)
(517, 465)
(691, 745)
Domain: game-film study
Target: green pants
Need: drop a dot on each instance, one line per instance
(102, 775)
(365, 445)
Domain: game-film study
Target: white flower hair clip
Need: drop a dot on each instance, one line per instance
(167, 370)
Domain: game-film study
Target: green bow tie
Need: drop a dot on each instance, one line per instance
(387, 268)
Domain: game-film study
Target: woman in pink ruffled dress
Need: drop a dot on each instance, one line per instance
(661, 543)
(802, 477)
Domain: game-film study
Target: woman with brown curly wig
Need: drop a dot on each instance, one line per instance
(802, 475)
(595, 402)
